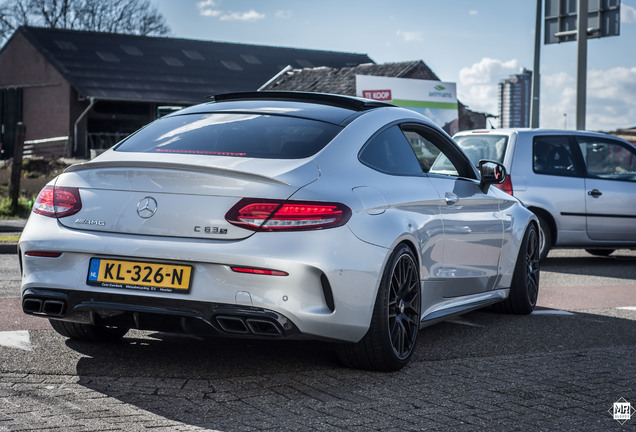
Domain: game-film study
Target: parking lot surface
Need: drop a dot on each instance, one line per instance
(561, 368)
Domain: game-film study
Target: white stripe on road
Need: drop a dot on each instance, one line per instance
(551, 312)
(631, 308)
(16, 339)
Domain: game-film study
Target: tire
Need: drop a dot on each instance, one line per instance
(392, 335)
(524, 289)
(88, 332)
(546, 237)
(600, 252)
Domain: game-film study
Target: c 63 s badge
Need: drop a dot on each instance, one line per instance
(210, 230)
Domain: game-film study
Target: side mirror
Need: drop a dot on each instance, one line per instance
(492, 172)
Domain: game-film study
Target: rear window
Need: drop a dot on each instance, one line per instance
(483, 147)
(233, 134)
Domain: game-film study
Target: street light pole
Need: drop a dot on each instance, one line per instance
(536, 77)
(581, 74)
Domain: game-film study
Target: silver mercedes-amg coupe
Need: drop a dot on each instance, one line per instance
(280, 215)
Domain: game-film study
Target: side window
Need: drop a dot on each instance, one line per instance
(430, 156)
(389, 152)
(607, 159)
(553, 155)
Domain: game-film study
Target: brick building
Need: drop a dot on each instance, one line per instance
(82, 91)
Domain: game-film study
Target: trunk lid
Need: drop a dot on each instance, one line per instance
(185, 196)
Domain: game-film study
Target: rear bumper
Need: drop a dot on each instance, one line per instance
(328, 293)
(157, 314)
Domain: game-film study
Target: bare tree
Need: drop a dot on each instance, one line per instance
(138, 17)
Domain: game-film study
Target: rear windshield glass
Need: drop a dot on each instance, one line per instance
(483, 147)
(233, 134)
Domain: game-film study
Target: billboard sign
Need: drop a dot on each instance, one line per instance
(603, 19)
(435, 99)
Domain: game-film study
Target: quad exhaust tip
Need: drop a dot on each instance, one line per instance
(248, 326)
(48, 307)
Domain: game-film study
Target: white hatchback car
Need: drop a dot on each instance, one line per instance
(581, 185)
(277, 215)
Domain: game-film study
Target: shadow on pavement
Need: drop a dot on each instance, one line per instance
(589, 265)
(473, 364)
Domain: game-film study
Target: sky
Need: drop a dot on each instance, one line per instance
(473, 43)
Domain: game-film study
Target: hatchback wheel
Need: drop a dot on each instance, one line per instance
(524, 289)
(546, 238)
(88, 332)
(390, 341)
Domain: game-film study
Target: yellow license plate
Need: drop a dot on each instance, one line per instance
(143, 276)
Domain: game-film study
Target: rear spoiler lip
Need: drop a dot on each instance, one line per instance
(174, 166)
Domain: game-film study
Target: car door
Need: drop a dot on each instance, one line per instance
(404, 191)
(472, 221)
(610, 186)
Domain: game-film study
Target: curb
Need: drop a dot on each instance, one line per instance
(8, 248)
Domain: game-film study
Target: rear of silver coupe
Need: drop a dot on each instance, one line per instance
(252, 216)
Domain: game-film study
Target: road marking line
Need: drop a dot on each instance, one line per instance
(631, 308)
(552, 312)
(16, 339)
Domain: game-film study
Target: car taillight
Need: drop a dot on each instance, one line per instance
(279, 215)
(58, 201)
(506, 186)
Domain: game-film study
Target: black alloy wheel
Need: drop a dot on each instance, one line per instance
(392, 335)
(532, 267)
(404, 306)
(524, 290)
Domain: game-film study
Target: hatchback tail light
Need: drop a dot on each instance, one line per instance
(279, 215)
(506, 186)
(58, 201)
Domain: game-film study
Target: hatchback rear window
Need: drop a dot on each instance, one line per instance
(483, 147)
(233, 134)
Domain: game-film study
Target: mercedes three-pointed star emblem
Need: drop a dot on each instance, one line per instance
(147, 207)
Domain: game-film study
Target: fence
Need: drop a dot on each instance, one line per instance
(52, 148)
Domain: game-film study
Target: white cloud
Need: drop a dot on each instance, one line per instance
(628, 14)
(250, 15)
(410, 36)
(557, 108)
(210, 8)
(609, 103)
(283, 14)
(473, 12)
(207, 8)
(477, 85)
(610, 99)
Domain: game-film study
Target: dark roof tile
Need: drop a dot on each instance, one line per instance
(152, 69)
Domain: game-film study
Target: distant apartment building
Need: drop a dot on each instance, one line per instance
(514, 100)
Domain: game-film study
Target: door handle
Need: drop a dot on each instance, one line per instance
(595, 193)
(451, 198)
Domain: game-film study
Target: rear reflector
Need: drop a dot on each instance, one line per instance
(58, 201)
(259, 271)
(44, 254)
(279, 215)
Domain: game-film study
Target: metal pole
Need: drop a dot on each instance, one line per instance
(16, 166)
(581, 75)
(536, 78)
